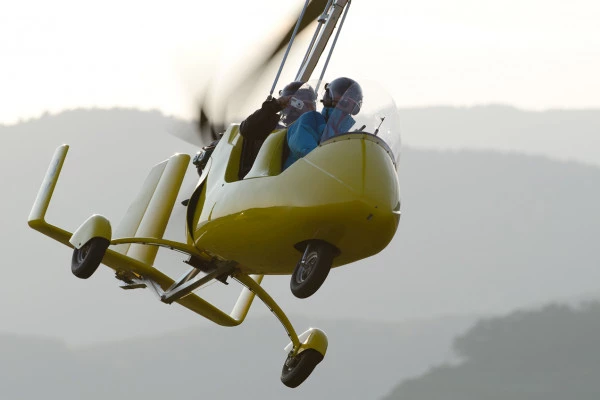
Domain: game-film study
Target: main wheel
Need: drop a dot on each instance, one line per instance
(86, 260)
(313, 268)
(297, 369)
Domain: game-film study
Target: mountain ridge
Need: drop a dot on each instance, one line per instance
(481, 232)
(236, 361)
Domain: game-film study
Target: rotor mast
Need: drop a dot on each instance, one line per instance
(330, 17)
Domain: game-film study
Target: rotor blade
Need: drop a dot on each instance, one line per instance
(313, 11)
(207, 127)
(244, 89)
(209, 130)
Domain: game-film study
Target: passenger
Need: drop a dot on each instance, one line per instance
(294, 100)
(342, 99)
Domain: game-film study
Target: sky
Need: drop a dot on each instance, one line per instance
(61, 55)
(64, 54)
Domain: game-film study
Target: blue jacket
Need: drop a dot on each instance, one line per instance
(305, 134)
(337, 122)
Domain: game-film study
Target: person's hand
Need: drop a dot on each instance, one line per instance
(284, 101)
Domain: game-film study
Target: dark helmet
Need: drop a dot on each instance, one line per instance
(303, 99)
(343, 93)
(291, 88)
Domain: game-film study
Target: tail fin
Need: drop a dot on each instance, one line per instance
(37, 217)
(150, 211)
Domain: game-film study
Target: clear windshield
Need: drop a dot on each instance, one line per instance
(367, 108)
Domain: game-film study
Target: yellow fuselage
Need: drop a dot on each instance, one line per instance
(344, 192)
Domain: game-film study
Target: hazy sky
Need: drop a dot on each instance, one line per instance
(534, 54)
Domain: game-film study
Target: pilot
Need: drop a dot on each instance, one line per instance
(342, 99)
(295, 99)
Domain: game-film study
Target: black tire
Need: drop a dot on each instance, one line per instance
(86, 260)
(312, 270)
(297, 369)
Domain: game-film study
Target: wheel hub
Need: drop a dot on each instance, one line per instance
(307, 267)
(291, 361)
(83, 252)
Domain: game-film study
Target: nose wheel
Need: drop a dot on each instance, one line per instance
(312, 270)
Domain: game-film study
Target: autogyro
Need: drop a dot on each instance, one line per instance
(248, 218)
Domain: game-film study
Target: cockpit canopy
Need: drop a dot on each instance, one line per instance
(373, 111)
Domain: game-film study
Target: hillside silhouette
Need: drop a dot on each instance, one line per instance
(550, 354)
(482, 232)
(566, 135)
(225, 363)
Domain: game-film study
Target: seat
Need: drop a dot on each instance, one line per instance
(268, 161)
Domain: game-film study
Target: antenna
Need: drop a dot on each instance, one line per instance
(377, 130)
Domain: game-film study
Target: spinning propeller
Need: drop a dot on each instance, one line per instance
(210, 127)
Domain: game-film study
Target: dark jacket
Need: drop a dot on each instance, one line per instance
(255, 130)
(262, 121)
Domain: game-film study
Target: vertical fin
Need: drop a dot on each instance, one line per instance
(133, 217)
(37, 217)
(149, 213)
